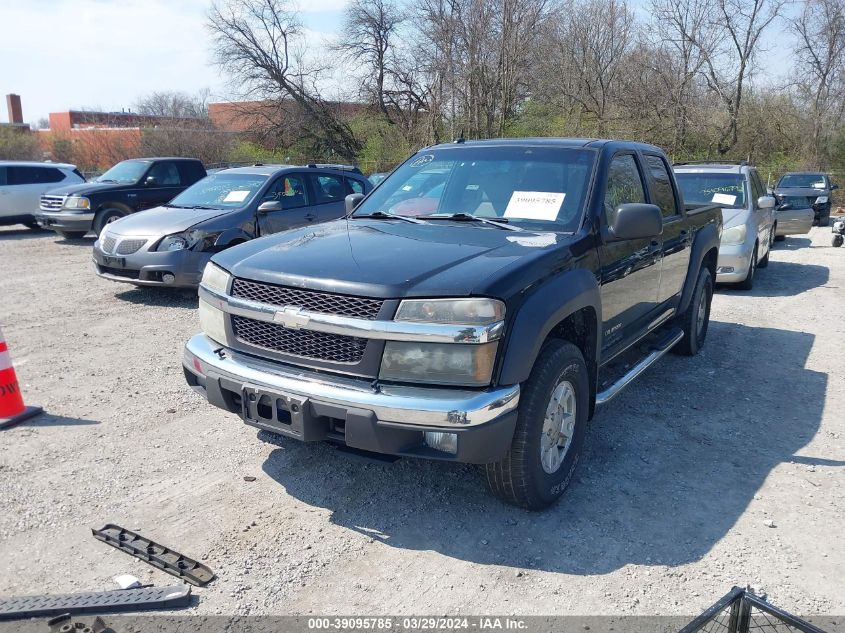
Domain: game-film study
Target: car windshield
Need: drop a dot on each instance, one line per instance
(542, 187)
(221, 191)
(126, 172)
(729, 191)
(803, 181)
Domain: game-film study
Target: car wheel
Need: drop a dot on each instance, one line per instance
(696, 318)
(550, 428)
(748, 282)
(837, 240)
(104, 217)
(72, 235)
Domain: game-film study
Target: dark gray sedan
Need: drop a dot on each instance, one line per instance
(170, 245)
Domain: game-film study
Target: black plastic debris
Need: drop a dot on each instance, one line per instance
(23, 607)
(164, 558)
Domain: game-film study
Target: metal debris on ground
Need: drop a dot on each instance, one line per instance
(23, 607)
(159, 556)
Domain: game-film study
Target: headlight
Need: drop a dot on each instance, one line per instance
(821, 200)
(456, 311)
(203, 240)
(734, 235)
(438, 363)
(212, 321)
(77, 202)
(215, 278)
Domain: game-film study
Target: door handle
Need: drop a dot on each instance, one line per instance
(310, 217)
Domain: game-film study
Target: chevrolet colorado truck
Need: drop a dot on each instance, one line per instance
(525, 282)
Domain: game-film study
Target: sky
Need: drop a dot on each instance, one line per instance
(64, 54)
(105, 54)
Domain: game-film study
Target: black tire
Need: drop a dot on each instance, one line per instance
(837, 241)
(824, 220)
(748, 282)
(34, 226)
(72, 235)
(106, 216)
(693, 321)
(520, 477)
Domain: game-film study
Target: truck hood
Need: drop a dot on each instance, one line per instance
(87, 188)
(388, 259)
(810, 192)
(163, 221)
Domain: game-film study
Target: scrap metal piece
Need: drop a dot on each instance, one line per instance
(23, 607)
(65, 624)
(158, 556)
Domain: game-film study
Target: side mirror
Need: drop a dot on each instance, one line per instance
(636, 220)
(270, 206)
(834, 187)
(352, 201)
(150, 181)
(766, 202)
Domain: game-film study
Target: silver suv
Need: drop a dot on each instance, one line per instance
(747, 212)
(23, 182)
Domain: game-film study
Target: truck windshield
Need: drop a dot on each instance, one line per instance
(220, 191)
(126, 172)
(803, 181)
(726, 190)
(539, 187)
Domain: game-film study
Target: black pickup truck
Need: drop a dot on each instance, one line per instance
(474, 307)
(129, 186)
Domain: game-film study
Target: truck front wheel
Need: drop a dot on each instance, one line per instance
(696, 318)
(550, 428)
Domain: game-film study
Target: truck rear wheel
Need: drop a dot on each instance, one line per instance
(106, 216)
(695, 320)
(550, 428)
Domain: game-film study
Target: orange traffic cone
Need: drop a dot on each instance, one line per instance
(12, 408)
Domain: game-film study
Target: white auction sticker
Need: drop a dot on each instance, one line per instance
(723, 198)
(236, 196)
(534, 205)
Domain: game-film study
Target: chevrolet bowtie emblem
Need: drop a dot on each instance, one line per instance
(291, 318)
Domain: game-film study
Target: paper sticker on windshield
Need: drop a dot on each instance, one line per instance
(723, 198)
(818, 185)
(236, 196)
(534, 205)
(422, 160)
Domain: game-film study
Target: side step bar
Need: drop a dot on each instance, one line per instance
(605, 396)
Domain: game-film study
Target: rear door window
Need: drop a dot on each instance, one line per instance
(31, 175)
(664, 194)
(355, 186)
(327, 188)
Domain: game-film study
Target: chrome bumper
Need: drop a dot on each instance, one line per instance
(418, 406)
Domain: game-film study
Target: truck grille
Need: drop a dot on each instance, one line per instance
(52, 203)
(325, 302)
(316, 345)
(127, 247)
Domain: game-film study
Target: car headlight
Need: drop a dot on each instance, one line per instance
(212, 322)
(734, 235)
(195, 238)
(456, 311)
(821, 200)
(438, 363)
(215, 278)
(77, 202)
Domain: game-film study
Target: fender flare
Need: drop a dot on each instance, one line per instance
(545, 307)
(706, 239)
(229, 235)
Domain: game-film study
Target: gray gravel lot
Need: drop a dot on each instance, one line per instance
(670, 507)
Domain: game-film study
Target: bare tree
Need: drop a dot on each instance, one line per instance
(257, 43)
(820, 62)
(174, 104)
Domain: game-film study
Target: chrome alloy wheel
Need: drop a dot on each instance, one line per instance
(701, 317)
(558, 427)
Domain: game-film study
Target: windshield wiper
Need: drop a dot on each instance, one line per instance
(105, 180)
(499, 223)
(381, 215)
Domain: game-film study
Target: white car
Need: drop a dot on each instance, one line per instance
(23, 182)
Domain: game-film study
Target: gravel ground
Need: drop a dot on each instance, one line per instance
(710, 472)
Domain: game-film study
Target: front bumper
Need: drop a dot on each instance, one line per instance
(61, 221)
(734, 261)
(313, 406)
(149, 268)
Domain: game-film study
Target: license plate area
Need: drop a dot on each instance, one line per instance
(114, 262)
(282, 413)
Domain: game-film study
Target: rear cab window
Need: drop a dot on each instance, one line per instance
(661, 186)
